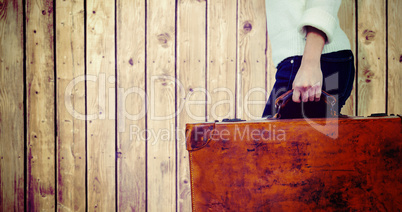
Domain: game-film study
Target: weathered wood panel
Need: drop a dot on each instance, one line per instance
(270, 67)
(131, 146)
(40, 106)
(11, 106)
(70, 67)
(394, 57)
(161, 148)
(101, 105)
(347, 20)
(191, 41)
(221, 57)
(251, 81)
(371, 55)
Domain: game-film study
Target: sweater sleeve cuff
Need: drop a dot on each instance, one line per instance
(319, 19)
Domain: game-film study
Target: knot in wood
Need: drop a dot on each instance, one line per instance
(163, 39)
(3, 5)
(369, 35)
(247, 26)
(369, 75)
(3, 9)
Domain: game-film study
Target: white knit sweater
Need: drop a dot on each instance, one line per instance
(287, 19)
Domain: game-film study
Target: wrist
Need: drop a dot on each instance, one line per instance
(315, 42)
(310, 64)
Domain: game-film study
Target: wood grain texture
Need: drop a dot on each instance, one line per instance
(191, 41)
(271, 69)
(221, 57)
(131, 156)
(347, 21)
(70, 66)
(270, 66)
(101, 105)
(161, 147)
(371, 56)
(251, 82)
(394, 57)
(11, 106)
(40, 106)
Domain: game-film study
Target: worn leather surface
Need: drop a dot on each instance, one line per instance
(347, 164)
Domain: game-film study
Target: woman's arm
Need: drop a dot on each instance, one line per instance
(308, 81)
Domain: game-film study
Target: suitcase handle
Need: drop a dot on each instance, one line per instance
(282, 100)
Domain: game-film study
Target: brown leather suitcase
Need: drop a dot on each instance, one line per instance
(352, 164)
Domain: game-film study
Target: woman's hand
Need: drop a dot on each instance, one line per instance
(308, 81)
(307, 84)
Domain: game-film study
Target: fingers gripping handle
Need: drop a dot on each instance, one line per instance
(282, 100)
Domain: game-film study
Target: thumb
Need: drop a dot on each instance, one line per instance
(296, 95)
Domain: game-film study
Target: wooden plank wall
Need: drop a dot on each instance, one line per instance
(100, 104)
(191, 55)
(40, 103)
(70, 71)
(161, 102)
(394, 62)
(347, 20)
(141, 70)
(12, 107)
(371, 31)
(131, 150)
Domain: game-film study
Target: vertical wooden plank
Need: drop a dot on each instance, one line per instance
(251, 59)
(131, 105)
(221, 57)
(70, 66)
(347, 20)
(269, 65)
(371, 56)
(101, 105)
(191, 41)
(11, 106)
(394, 57)
(271, 69)
(161, 101)
(40, 106)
